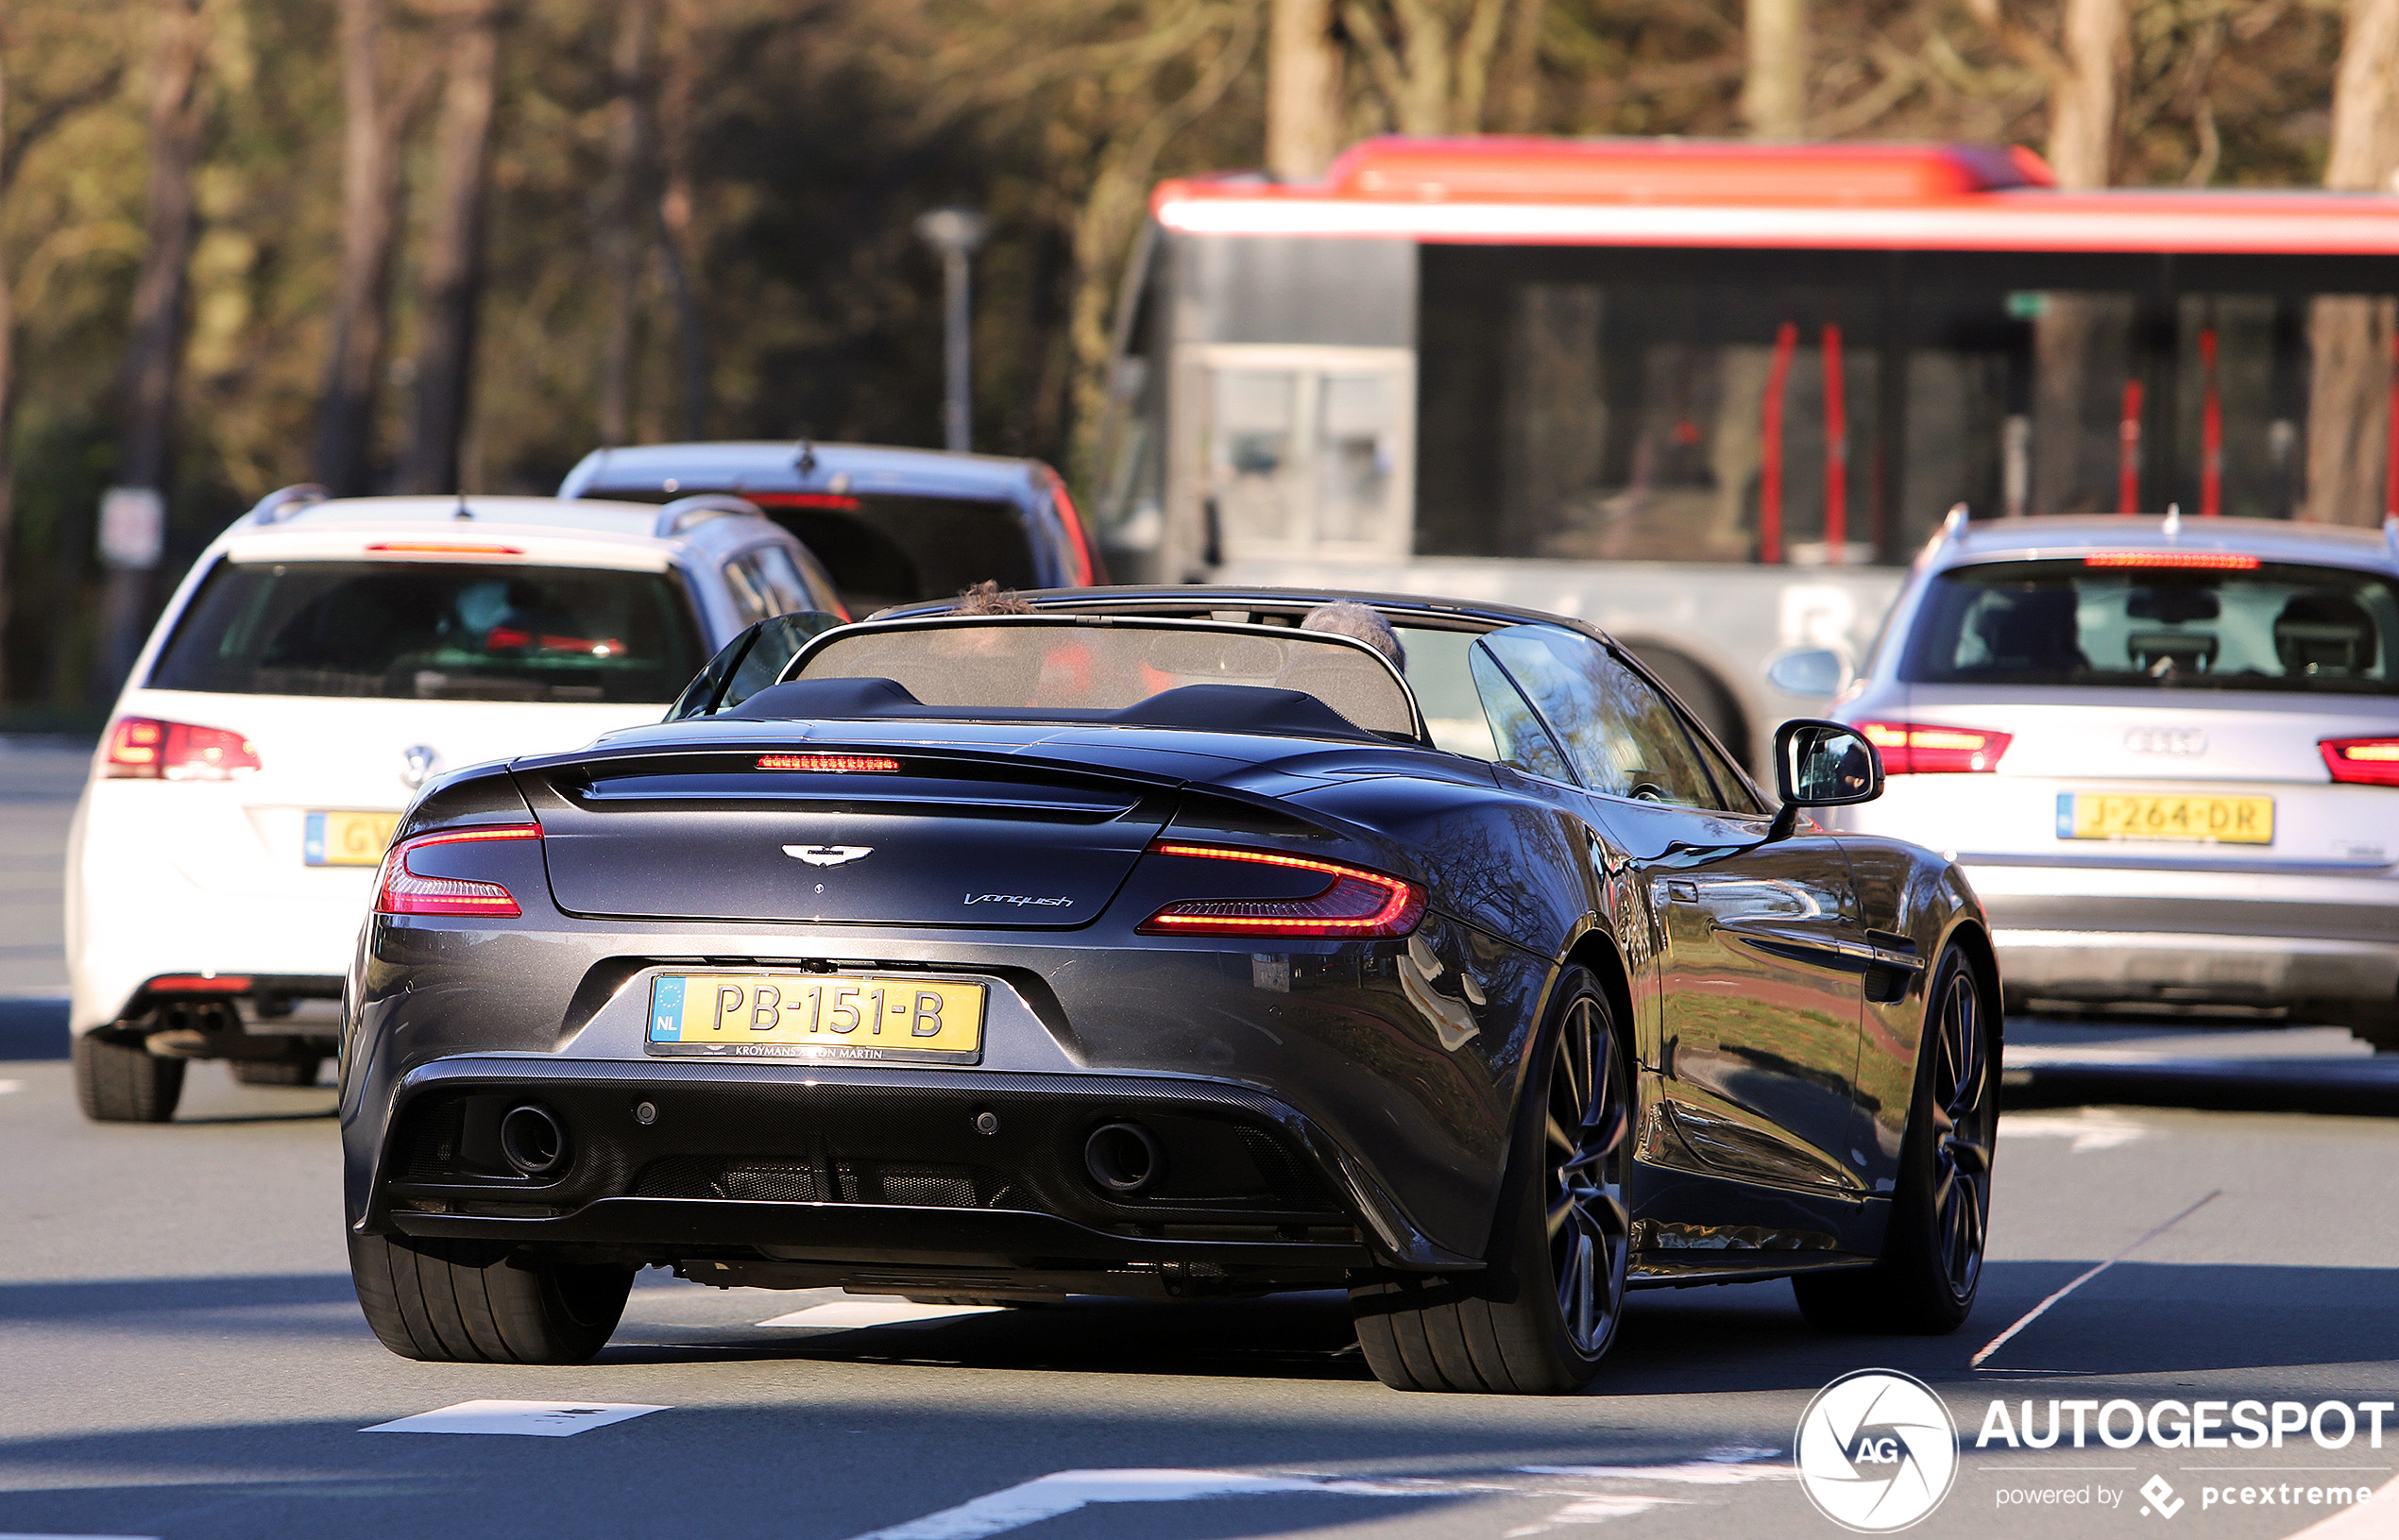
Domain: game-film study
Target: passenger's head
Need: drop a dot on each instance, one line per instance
(1347, 618)
(989, 598)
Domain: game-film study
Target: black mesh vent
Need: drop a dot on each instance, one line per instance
(1294, 1185)
(431, 1146)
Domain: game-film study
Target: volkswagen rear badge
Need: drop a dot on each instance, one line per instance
(418, 764)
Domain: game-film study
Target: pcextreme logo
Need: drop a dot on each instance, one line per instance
(1876, 1450)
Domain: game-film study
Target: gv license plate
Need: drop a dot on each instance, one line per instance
(346, 838)
(866, 1017)
(2224, 820)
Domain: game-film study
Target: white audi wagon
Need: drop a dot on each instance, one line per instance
(321, 661)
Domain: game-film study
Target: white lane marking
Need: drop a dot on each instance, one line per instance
(536, 1419)
(2037, 1310)
(1598, 1510)
(1064, 1491)
(848, 1314)
(2095, 1128)
(6, 1087)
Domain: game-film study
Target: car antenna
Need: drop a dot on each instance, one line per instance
(806, 463)
(463, 511)
(2173, 521)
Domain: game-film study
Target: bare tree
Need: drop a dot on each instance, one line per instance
(2084, 77)
(625, 236)
(2350, 336)
(15, 142)
(374, 116)
(678, 236)
(452, 271)
(1304, 90)
(1773, 92)
(1430, 60)
(133, 522)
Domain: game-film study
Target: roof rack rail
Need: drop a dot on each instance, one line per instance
(686, 513)
(285, 502)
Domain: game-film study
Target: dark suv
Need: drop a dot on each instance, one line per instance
(893, 526)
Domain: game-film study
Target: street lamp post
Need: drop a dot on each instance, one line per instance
(955, 233)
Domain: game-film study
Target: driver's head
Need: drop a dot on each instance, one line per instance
(1347, 618)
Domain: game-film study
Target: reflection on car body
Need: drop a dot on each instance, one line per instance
(1271, 990)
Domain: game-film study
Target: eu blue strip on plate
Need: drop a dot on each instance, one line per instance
(666, 1011)
(312, 840)
(2066, 815)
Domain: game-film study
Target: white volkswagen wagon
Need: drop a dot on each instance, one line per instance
(2167, 753)
(321, 662)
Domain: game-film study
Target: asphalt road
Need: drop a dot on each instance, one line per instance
(180, 1356)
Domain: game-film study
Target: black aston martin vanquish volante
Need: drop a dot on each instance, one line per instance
(1149, 944)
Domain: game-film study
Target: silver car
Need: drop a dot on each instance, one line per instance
(2166, 754)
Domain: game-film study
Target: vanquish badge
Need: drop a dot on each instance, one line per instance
(1876, 1450)
(828, 854)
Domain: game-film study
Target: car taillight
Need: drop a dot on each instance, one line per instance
(146, 749)
(399, 888)
(831, 764)
(1922, 749)
(1354, 904)
(2362, 761)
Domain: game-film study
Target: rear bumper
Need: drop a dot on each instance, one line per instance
(2263, 950)
(860, 1170)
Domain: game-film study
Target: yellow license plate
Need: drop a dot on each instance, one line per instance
(868, 1017)
(346, 838)
(2222, 821)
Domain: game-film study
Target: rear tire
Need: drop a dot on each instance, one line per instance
(116, 1082)
(1932, 1263)
(1539, 1317)
(479, 1302)
(276, 1071)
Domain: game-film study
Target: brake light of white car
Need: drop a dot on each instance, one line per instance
(1921, 748)
(2362, 761)
(400, 889)
(1354, 904)
(146, 749)
(2220, 560)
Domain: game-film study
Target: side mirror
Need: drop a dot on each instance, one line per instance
(750, 662)
(1820, 764)
(1811, 671)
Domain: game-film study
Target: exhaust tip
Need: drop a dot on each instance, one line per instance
(1124, 1158)
(533, 1139)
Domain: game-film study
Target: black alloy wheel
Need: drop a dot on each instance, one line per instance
(1539, 1317)
(1965, 1119)
(1587, 1135)
(1931, 1262)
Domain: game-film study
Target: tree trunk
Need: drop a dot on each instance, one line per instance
(624, 239)
(133, 514)
(2349, 337)
(1304, 90)
(1774, 94)
(678, 242)
(2087, 103)
(343, 456)
(452, 267)
(7, 401)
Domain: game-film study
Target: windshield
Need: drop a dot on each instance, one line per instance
(1059, 664)
(883, 549)
(2120, 620)
(432, 631)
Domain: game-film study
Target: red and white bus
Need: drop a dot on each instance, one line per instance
(1710, 394)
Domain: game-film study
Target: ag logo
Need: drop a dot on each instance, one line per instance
(1877, 1451)
(828, 854)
